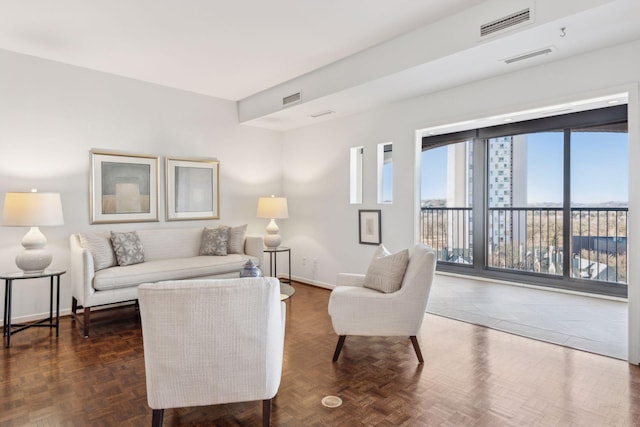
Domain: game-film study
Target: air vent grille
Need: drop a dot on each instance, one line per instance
(292, 99)
(505, 22)
(545, 51)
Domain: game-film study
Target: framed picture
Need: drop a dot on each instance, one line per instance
(370, 232)
(123, 187)
(193, 189)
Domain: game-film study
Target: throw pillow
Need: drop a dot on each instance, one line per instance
(386, 270)
(214, 241)
(235, 245)
(100, 248)
(127, 247)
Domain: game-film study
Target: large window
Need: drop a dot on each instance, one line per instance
(550, 201)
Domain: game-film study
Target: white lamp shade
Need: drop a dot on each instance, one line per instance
(32, 209)
(272, 207)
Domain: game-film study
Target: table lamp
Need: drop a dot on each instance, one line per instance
(272, 208)
(33, 210)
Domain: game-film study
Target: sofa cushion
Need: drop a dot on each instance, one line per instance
(386, 270)
(127, 247)
(169, 269)
(235, 245)
(170, 242)
(214, 241)
(99, 244)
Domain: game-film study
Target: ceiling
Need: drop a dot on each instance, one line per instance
(243, 50)
(229, 49)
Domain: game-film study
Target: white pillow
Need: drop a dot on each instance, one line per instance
(386, 270)
(235, 245)
(101, 250)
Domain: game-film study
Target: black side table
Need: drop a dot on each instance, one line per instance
(8, 286)
(273, 261)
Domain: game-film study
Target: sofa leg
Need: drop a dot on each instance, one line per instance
(156, 417)
(74, 308)
(85, 326)
(336, 354)
(266, 413)
(416, 347)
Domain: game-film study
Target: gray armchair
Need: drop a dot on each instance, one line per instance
(209, 342)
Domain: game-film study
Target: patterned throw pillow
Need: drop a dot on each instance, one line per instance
(127, 247)
(386, 270)
(236, 239)
(214, 241)
(101, 249)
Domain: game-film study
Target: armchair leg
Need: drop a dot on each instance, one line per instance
(336, 354)
(266, 413)
(416, 347)
(156, 417)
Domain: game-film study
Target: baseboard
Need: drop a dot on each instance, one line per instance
(39, 316)
(311, 282)
(66, 312)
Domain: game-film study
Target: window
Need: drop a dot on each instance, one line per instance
(554, 203)
(355, 175)
(385, 173)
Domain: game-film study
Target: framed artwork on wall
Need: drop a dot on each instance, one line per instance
(370, 227)
(123, 187)
(192, 189)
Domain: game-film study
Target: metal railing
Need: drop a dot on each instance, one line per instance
(531, 239)
(449, 231)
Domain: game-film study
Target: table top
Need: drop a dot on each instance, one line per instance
(278, 249)
(17, 275)
(286, 291)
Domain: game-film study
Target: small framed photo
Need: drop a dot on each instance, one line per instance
(193, 189)
(123, 187)
(370, 232)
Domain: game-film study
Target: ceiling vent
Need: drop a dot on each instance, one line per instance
(505, 22)
(529, 55)
(292, 99)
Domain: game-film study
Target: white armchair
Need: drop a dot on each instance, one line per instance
(211, 341)
(356, 310)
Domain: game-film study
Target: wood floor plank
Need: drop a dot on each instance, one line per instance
(472, 376)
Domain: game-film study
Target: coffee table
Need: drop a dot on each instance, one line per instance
(286, 291)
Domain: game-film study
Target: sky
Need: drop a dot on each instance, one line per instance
(599, 168)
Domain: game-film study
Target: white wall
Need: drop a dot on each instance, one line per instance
(323, 225)
(52, 114)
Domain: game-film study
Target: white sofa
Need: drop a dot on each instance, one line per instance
(169, 254)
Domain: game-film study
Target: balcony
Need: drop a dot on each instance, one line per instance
(531, 240)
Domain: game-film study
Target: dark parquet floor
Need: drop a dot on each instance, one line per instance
(472, 376)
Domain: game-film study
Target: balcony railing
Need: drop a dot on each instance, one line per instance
(449, 231)
(531, 240)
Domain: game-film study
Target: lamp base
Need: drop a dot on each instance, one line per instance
(35, 257)
(272, 239)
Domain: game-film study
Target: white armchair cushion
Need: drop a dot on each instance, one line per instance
(386, 270)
